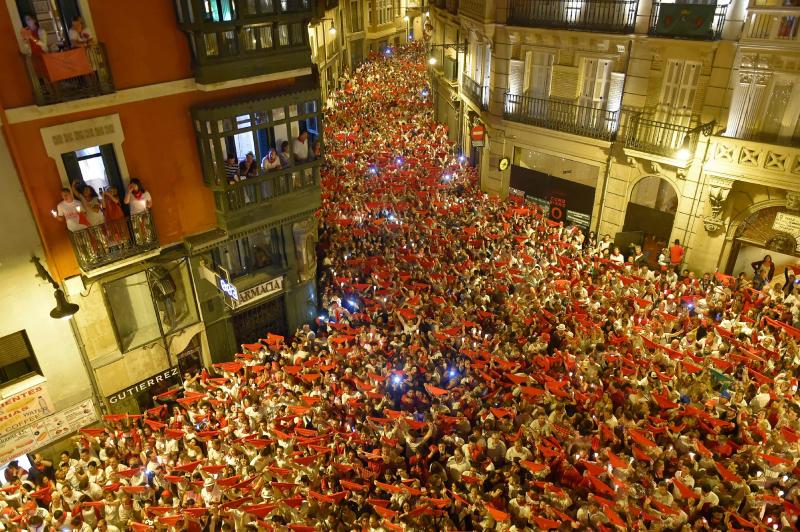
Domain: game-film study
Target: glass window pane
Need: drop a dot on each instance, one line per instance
(265, 37)
(94, 150)
(133, 312)
(261, 118)
(283, 35)
(266, 6)
(227, 256)
(211, 44)
(297, 34)
(243, 122)
(229, 43)
(278, 114)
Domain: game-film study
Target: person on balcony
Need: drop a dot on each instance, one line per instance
(115, 217)
(283, 154)
(34, 38)
(79, 36)
(248, 167)
(137, 198)
(271, 161)
(232, 168)
(139, 201)
(70, 211)
(300, 147)
(90, 203)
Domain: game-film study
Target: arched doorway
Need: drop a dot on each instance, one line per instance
(651, 211)
(771, 230)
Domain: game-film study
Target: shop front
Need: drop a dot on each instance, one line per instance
(561, 200)
(773, 231)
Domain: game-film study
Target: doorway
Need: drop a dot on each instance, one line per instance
(255, 322)
(96, 167)
(651, 210)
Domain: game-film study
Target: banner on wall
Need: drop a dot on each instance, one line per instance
(685, 19)
(46, 430)
(560, 199)
(24, 408)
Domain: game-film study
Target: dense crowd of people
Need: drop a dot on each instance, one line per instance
(476, 367)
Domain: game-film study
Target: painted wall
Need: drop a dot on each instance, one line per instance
(159, 148)
(26, 300)
(142, 39)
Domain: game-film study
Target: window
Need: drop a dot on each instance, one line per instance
(257, 37)
(385, 11)
(17, 360)
(151, 303)
(54, 18)
(95, 166)
(258, 7)
(678, 92)
(538, 73)
(355, 16)
(219, 10)
(253, 253)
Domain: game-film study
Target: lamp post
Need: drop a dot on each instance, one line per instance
(408, 29)
(63, 310)
(685, 151)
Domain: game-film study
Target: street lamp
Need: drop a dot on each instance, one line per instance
(63, 310)
(408, 29)
(685, 151)
(431, 61)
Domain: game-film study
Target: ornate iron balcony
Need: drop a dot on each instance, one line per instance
(688, 20)
(475, 92)
(114, 240)
(69, 75)
(563, 116)
(642, 133)
(610, 16)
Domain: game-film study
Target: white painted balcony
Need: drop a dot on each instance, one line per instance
(772, 25)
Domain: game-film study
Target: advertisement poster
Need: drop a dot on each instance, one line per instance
(24, 408)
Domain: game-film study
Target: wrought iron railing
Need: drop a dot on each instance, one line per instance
(773, 24)
(482, 10)
(114, 240)
(611, 16)
(688, 20)
(642, 133)
(70, 75)
(475, 92)
(563, 116)
(255, 191)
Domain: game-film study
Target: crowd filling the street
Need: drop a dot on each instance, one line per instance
(475, 366)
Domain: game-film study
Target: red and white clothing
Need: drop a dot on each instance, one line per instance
(71, 212)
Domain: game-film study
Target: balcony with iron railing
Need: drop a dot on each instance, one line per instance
(232, 40)
(237, 202)
(772, 25)
(609, 16)
(480, 10)
(448, 5)
(115, 240)
(674, 141)
(477, 93)
(688, 20)
(80, 72)
(560, 115)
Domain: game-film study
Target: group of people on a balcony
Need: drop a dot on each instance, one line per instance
(35, 39)
(276, 159)
(82, 208)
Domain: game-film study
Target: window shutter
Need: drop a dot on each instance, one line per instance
(516, 72)
(13, 348)
(540, 75)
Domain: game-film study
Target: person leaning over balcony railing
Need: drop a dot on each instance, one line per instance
(300, 147)
(90, 203)
(271, 161)
(34, 38)
(69, 210)
(139, 201)
(79, 36)
(115, 217)
(231, 168)
(248, 167)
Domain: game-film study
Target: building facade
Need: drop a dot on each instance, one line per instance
(216, 111)
(646, 120)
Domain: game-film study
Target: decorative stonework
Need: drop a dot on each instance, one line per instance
(792, 200)
(718, 190)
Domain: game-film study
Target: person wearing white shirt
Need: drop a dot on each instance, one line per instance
(300, 147)
(518, 451)
(69, 211)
